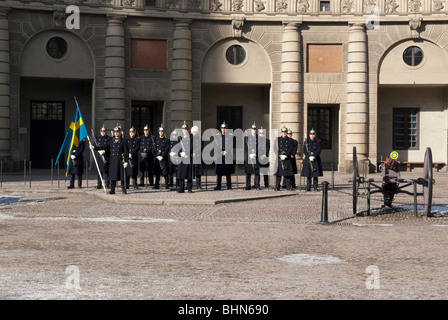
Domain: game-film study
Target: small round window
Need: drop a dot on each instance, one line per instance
(413, 56)
(235, 54)
(57, 47)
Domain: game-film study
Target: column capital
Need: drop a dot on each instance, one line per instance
(115, 18)
(291, 25)
(182, 22)
(4, 12)
(356, 25)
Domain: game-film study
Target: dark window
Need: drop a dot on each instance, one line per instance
(235, 54)
(57, 47)
(150, 3)
(233, 117)
(47, 110)
(324, 6)
(319, 118)
(405, 128)
(413, 56)
(146, 113)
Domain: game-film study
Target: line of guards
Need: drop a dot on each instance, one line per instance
(120, 158)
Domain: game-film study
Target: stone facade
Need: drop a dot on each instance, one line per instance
(272, 84)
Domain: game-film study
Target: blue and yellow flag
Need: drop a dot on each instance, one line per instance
(76, 133)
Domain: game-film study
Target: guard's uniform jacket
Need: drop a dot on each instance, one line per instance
(172, 167)
(100, 143)
(103, 161)
(265, 147)
(198, 146)
(293, 155)
(132, 169)
(184, 169)
(222, 166)
(119, 154)
(251, 166)
(146, 162)
(285, 147)
(162, 149)
(312, 148)
(134, 147)
(77, 164)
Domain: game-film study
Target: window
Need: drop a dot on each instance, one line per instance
(57, 47)
(148, 54)
(324, 6)
(235, 54)
(405, 128)
(47, 110)
(413, 56)
(319, 118)
(231, 115)
(146, 113)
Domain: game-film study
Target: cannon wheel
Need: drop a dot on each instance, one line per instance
(355, 179)
(427, 185)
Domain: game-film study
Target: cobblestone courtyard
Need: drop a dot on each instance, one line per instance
(230, 244)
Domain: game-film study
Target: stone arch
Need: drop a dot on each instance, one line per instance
(77, 63)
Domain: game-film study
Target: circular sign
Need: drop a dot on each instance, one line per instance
(394, 155)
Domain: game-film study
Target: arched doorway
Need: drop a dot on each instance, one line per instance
(55, 67)
(236, 84)
(412, 95)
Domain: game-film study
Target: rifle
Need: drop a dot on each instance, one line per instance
(311, 163)
(157, 152)
(96, 144)
(251, 160)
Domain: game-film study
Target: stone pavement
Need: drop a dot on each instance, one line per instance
(230, 244)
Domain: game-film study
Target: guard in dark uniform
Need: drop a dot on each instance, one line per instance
(134, 148)
(284, 167)
(119, 157)
(102, 158)
(198, 146)
(77, 164)
(264, 148)
(162, 149)
(312, 165)
(172, 167)
(252, 165)
(293, 161)
(225, 165)
(184, 168)
(146, 157)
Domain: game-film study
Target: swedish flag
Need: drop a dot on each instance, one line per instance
(76, 132)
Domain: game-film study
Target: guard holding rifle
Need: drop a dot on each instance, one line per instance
(161, 152)
(119, 157)
(146, 157)
(284, 168)
(312, 165)
(251, 164)
(134, 147)
(102, 157)
(265, 146)
(224, 165)
(198, 146)
(184, 168)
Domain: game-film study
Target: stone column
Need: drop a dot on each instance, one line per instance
(290, 109)
(114, 74)
(4, 86)
(181, 93)
(357, 95)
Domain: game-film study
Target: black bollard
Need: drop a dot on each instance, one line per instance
(324, 213)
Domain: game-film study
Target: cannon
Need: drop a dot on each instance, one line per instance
(391, 183)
